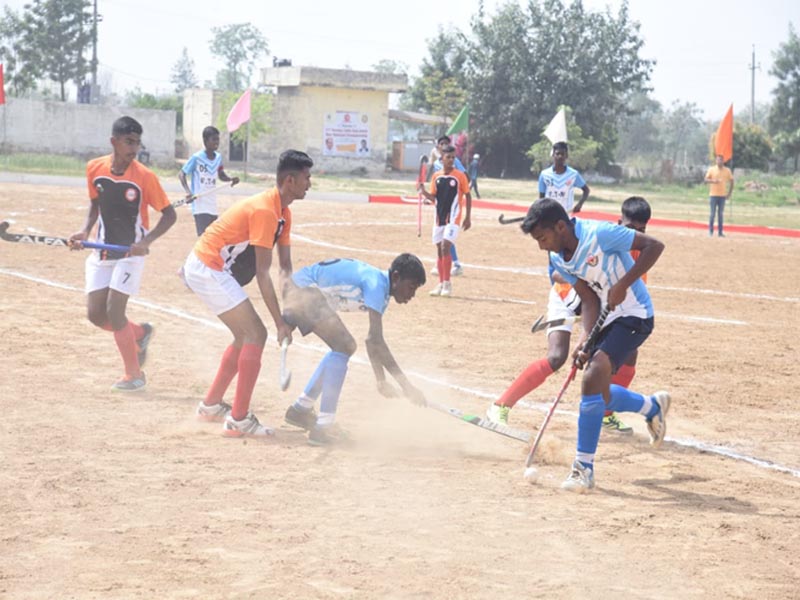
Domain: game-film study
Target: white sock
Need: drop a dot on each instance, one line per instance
(304, 402)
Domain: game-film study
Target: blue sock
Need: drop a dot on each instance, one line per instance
(624, 400)
(335, 372)
(590, 422)
(314, 385)
(453, 253)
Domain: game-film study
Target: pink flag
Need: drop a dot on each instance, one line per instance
(240, 113)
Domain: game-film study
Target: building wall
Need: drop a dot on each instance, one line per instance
(80, 129)
(200, 109)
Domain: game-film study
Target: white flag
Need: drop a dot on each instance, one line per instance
(556, 131)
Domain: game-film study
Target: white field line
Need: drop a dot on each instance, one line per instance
(686, 442)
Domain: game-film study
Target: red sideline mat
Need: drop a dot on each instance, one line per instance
(755, 229)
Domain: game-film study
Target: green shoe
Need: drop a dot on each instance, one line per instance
(612, 423)
(498, 414)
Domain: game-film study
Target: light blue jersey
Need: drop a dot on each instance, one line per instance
(347, 284)
(601, 259)
(560, 187)
(203, 172)
(438, 166)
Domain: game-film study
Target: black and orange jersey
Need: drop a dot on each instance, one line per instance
(123, 201)
(450, 190)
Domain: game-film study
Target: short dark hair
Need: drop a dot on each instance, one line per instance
(292, 161)
(209, 131)
(636, 209)
(561, 146)
(408, 266)
(545, 212)
(448, 149)
(126, 125)
(443, 138)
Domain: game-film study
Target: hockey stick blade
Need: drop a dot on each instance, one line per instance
(503, 221)
(482, 422)
(541, 324)
(285, 377)
(46, 240)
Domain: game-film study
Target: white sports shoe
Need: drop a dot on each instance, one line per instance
(498, 414)
(657, 426)
(247, 427)
(437, 291)
(456, 270)
(581, 480)
(447, 289)
(213, 412)
(435, 271)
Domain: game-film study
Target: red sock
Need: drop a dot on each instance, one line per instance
(623, 377)
(126, 342)
(228, 367)
(138, 330)
(440, 268)
(447, 264)
(107, 326)
(249, 366)
(531, 378)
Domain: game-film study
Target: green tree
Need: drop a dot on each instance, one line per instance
(19, 76)
(582, 150)
(183, 76)
(752, 148)
(136, 98)
(639, 134)
(260, 116)
(239, 46)
(683, 134)
(784, 118)
(390, 67)
(55, 36)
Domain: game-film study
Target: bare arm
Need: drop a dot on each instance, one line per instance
(223, 176)
(380, 357)
(467, 218)
(167, 220)
(267, 289)
(285, 263)
(650, 249)
(91, 219)
(730, 188)
(579, 205)
(184, 183)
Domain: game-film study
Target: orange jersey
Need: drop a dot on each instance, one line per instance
(258, 220)
(123, 200)
(450, 190)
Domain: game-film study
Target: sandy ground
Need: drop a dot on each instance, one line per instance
(109, 496)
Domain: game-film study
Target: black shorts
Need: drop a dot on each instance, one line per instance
(622, 337)
(305, 307)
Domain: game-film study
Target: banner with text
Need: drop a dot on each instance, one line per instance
(346, 134)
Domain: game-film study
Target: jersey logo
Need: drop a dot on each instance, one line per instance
(452, 183)
(130, 195)
(591, 260)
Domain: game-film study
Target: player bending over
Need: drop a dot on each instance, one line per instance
(594, 257)
(319, 291)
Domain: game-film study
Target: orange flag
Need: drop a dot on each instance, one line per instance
(723, 144)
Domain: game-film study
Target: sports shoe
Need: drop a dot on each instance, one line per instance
(435, 271)
(612, 423)
(143, 342)
(305, 419)
(247, 427)
(657, 426)
(327, 435)
(437, 291)
(130, 384)
(212, 412)
(447, 289)
(581, 480)
(456, 270)
(498, 414)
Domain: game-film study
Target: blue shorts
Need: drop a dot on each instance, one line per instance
(622, 337)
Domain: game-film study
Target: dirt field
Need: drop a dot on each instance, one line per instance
(109, 496)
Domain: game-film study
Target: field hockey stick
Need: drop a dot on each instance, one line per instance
(589, 343)
(194, 197)
(504, 221)
(285, 377)
(421, 177)
(482, 422)
(541, 324)
(46, 240)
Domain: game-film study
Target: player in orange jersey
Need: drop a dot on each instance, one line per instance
(262, 222)
(121, 189)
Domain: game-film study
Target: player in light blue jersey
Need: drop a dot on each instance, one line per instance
(204, 167)
(594, 257)
(311, 304)
(559, 181)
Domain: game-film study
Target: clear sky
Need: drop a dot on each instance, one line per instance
(702, 47)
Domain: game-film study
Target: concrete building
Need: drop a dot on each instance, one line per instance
(340, 117)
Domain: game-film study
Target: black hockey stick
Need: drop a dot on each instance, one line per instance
(504, 221)
(46, 240)
(482, 422)
(541, 324)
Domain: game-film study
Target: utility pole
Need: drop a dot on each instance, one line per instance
(753, 66)
(94, 91)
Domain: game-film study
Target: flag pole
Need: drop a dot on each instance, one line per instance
(246, 148)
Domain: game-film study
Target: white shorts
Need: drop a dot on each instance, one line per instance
(447, 232)
(218, 289)
(123, 275)
(566, 308)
